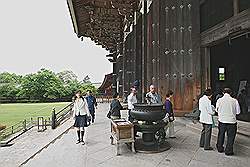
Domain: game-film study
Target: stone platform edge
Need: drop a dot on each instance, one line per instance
(46, 145)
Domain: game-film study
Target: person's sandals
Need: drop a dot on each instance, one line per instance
(83, 143)
(78, 141)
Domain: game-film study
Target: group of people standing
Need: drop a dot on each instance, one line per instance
(227, 108)
(83, 113)
(152, 97)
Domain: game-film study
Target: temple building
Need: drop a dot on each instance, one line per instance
(183, 45)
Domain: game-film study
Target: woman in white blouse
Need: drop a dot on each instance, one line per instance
(80, 115)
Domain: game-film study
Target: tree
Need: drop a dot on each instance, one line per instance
(9, 84)
(6, 77)
(87, 87)
(71, 88)
(67, 76)
(9, 90)
(42, 85)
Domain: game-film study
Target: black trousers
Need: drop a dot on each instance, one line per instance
(206, 136)
(92, 113)
(129, 116)
(231, 130)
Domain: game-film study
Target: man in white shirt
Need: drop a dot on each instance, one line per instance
(206, 113)
(227, 108)
(131, 101)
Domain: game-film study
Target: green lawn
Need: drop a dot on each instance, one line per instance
(13, 113)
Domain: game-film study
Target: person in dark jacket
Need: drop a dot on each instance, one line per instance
(92, 104)
(170, 113)
(115, 107)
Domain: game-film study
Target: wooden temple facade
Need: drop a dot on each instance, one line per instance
(162, 42)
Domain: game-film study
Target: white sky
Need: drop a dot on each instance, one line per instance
(37, 34)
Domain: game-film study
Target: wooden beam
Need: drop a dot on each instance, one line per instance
(222, 30)
(73, 16)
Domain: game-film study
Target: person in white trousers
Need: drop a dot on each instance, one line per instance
(170, 114)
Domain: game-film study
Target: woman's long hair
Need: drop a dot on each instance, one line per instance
(75, 97)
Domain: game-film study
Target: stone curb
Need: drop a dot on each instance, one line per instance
(45, 146)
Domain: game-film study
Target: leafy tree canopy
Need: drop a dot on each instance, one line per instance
(44, 84)
(67, 76)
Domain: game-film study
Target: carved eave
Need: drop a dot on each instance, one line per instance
(103, 21)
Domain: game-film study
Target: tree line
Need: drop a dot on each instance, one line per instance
(45, 85)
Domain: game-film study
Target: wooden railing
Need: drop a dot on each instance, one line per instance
(58, 117)
(21, 127)
(12, 132)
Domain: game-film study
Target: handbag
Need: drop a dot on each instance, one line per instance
(171, 118)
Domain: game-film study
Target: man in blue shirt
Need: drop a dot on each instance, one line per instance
(92, 104)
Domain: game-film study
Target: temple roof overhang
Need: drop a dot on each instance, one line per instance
(107, 82)
(104, 21)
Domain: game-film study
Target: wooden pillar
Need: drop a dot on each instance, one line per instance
(131, 61)
(138, 51)
(149, 66)
(144, 50)
(208, 67)
(124, 70)
(162, 64)
(236, 7)
(134, 52)
(155, 42)
(120, 75)
(205, 68)
(114, 81)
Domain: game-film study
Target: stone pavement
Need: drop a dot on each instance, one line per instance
(29, 144)
(98, 152)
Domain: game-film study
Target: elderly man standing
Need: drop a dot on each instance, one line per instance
(206, 119)
(227, 108)
(131, 101)
(153, 97)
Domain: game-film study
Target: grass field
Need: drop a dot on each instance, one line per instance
(13, 113)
